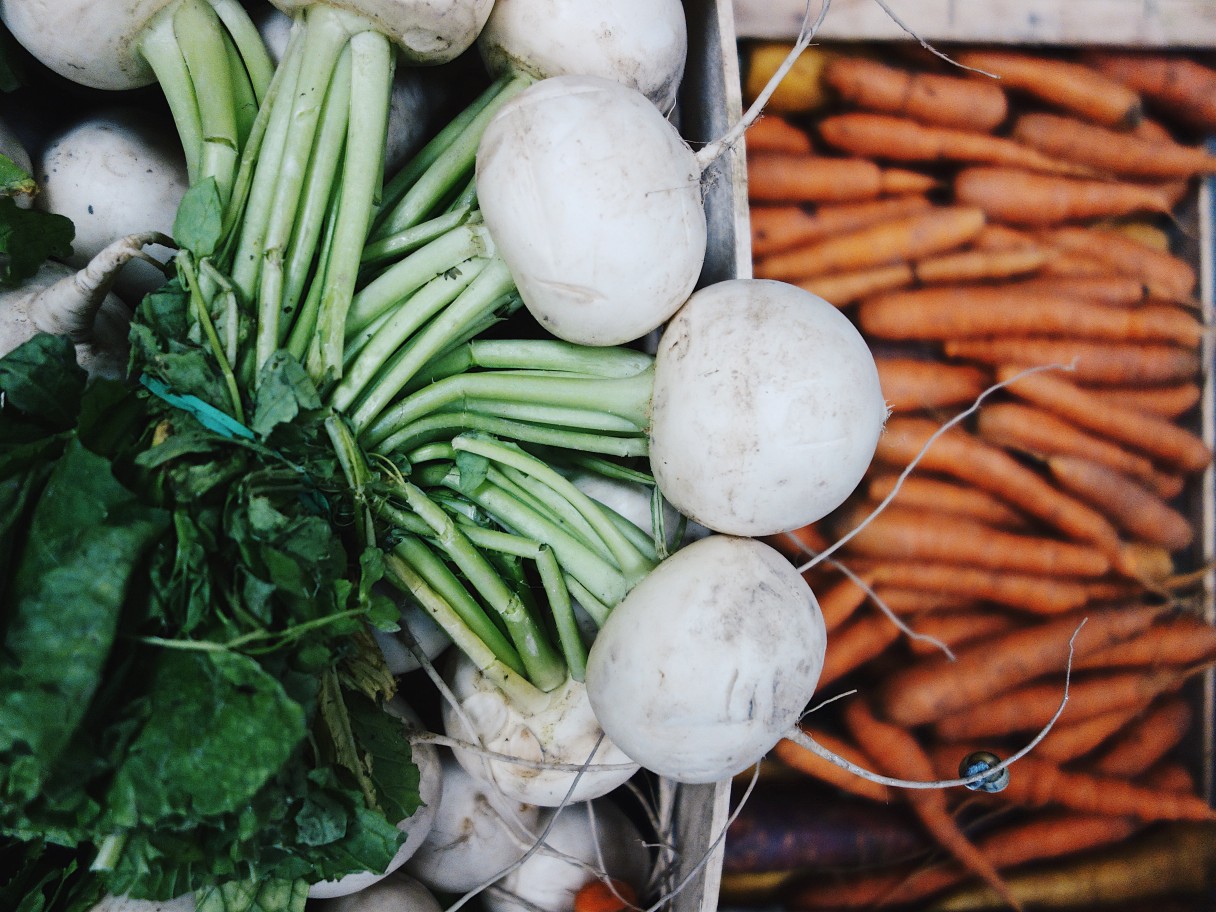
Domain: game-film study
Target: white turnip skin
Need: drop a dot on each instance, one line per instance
(420, 628)
(396, 893)
(708, 661)
(78, 304)
(639, 43)
(477, 832)
(114, 173)
(766, 409)
(594, 201)
(586, 841)
(426, 31)
(416, 827)
(560, 729)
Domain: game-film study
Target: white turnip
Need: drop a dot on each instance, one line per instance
(477, 832)
(708, 661)
(418, 632)
(766, 409)
(116, 172)
(553, 736)
(396, 893)
(594, 201)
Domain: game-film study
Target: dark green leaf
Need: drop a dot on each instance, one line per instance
(254, 896)
(42, 379)
(200, 218)
(473, 469)
(15, 180)
(385, 747)
(284, 391)
(28, 237)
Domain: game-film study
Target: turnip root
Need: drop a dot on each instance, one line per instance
(708, 661)
(396, 893)
(639, 43)
(417, 628)
(560, 729)
(115, 173)
(77, 304)
(586, 841)
(766, 409)
(594, 201)
(416, 827)
(477, 832)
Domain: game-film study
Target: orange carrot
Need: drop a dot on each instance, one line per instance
(1041, 433)
(948, 101)
(608, 895)
(1022, 197)
(1002, 237)
(1170, 776)
(1158, 438)
(944, 496)
(1070, 86)
(782, 177)
(856, 642)
(1037, 594)
(889, 138)
(844, 288)
(1092, 361)
(1029, 707)
(1138, 747)
(1180, 86)
(917, 601)
(964, 456)
(897, 753)
(1162, 274)
(1183, 640)
(979, 265)
(1106, 287)
(915, 383)
(803, 760)
(969, 311)
(923, 233)
(799, 544)
(1166, 401)
(776, 227)
(773, 133)
(959, 628)
(1132, 507)
(1119, 153)
(934, 688)
(1073, 738)
(1036, 782)
(838, 602)
(909, 533)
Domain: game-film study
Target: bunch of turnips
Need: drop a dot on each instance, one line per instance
(360, 421)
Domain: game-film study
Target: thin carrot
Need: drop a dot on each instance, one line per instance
(799, 544)
(890, 138)
(782, 177)
(916, 383)
(979, 265)
(855, 642)
(844, 288)
(1106, 287)
(1167, 401)
(1022, 197)
(931, 231)
(838, 602)
(608, 895)
(1160, 439)
(1180, 86)
(1037, 782)
(964, 456)
(910, 533)
(1139, 746)
(897, 753)
(1170, 776)
(948, 101)
(1037, 594)
(969, 311)
(934, 688)
(798, 757)
(944, 496)
(1183, 640)
(1164, 275)
(773, 133)
(1041, 433)
(1073, 738)
(1131, 506)
(777, 227)
(959, 628)
(1002, 237)
(1070, 265)
(1092, 361)
(1119, 153)
(1070, 86)
(919, 601)
(1030, 706)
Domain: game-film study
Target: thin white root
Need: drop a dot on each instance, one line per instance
(797, 735)
(70, 306)
(927, 46)
(891, 615)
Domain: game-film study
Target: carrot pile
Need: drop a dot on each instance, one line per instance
(1015, 233)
